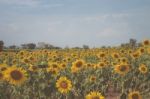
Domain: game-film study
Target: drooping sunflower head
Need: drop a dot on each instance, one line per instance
(122, 69)
(64, 85)
(143, 69)
(134, 95)
(15, 75)
(94, 95)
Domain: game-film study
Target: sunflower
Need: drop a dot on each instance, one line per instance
(101, 65)
(63, 66)
(52, 71)
(146, 42)
(124, 60)
(135, 54)
(134, 95)
(101, 55)
(142, 50)
(92, 78)
(77, 65)
(122, 69)
(15, 75)
(64, 85)
(115, 55)
(33, 68)
(143, 69)
(94, 95)
(3, 68)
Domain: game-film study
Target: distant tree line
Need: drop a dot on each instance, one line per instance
(42, 45)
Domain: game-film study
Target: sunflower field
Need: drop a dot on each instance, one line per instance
(96, 73)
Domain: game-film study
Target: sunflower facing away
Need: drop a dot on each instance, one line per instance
(64, 85)
(94, 95)
(15, 75)
(134, 95)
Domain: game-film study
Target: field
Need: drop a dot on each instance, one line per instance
(97, 73)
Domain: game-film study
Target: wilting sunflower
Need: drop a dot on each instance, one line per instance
(15, 75)
(94, 95)
(64, 85)
(143, 69)
(122, 69)
(134, 95)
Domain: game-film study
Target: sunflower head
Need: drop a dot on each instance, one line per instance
(92, 78)
(101, 64)
(134, 95)
(143, 69)
(63, 85)
(115, 55)
(146, 42)
(122, 69)
(94, 95)
(15, 75)
(77, 65)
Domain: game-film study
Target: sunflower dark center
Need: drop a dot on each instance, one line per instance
(63, 65)
(116, 56)
(1, 75)
(55, 66)
(142, 50)
(16, 75)
(78, 64)
(123, 68)
(95, 97)
(135, 96)
(64, 84)
(34, 67)
(93, 78)
(3, 68)
(146, 42)
(143, 69)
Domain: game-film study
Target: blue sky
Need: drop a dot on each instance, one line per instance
(74, 22)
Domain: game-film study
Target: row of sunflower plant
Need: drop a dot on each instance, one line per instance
(98, 73)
